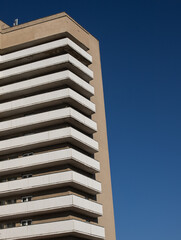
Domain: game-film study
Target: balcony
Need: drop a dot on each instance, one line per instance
(51, 205)
(42, 51)
(55, 229)
(46, 82)
(50, 159)
(46, 66)
(46, 119)
(45, 100)
(50, 181)
(48, 138)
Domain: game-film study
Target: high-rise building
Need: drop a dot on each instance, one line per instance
(54, 165)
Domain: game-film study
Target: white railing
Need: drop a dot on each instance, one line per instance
(49, 181)
(47, 63)
(39, 101)
(54, 229)
(43, 48)
(45, 82)
(51, 205)
(48, 138)
(49, 118)
(49, 159)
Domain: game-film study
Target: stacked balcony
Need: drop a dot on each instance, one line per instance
(48, 186)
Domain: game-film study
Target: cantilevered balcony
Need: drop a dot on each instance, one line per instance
(49, 159)
(42, 51)
(55, 229)
(35, 85)
(44, 100)
(46, 66)
(51, 205)
(46, 119)
(49, 181)
(48, 138)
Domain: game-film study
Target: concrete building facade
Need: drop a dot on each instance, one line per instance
(54, 165)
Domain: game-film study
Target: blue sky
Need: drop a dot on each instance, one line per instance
(141, 55)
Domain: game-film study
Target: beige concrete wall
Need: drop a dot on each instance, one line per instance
(2, 27)
(101, 137)
(42, 28)
(54, 27)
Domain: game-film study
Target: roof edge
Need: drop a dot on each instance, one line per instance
(3, 25)
(6, 28)
(38, 21)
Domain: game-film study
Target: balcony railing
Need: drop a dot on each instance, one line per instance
(55, 229)
(49, 206)
(49, 159)
(47, 119)
(49, 181)
(46, 82)
(44, 100)
(48, 138)
(46, 66)
(43, 48)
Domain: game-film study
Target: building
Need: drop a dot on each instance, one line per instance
(54, 165)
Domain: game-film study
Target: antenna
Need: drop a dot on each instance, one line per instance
(15, 22)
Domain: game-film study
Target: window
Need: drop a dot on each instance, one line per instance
(2, 202)
(8, 179)
(26, 175)
(12, 178)
(11, 201)
(26, 199)
(1, 226)
(26, 222)
(11, 225)
(3, 180)
(28, 154)
(27, 134)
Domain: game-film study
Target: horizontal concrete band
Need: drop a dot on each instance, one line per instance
(51, 205)
(39, 101)
(46, 82)
(46, 119)
(48, 138)
(53, 230)
(43, 48)
(49, 159)
(49, 181)
(46, 63)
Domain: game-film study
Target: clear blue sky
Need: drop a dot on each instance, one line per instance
(141, 62)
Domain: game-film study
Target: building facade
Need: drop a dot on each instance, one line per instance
(54, 164)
